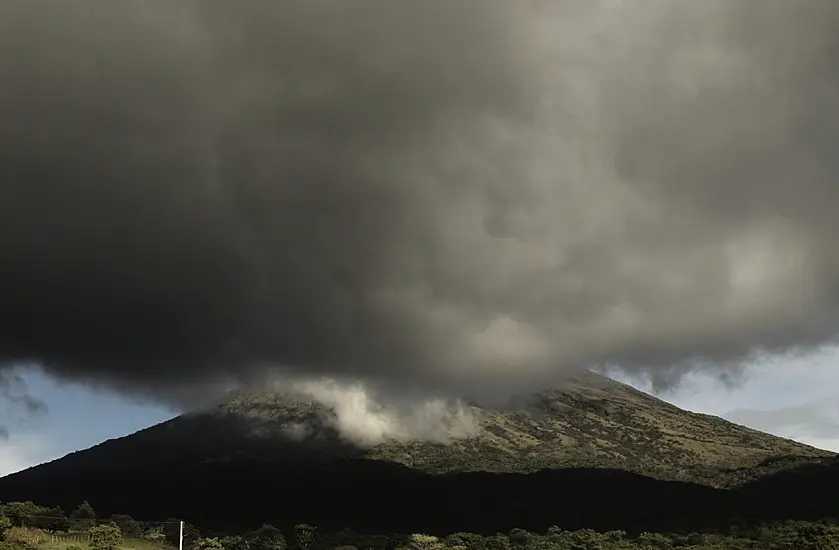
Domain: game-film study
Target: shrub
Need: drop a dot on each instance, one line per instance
(83, 518)
(305, 535)
(129, 526)
(25, 535)
(235, 543)
(267, 537)
(105, 537)
(421, 541)
(209, 543)
(14, 545)
(155, 536)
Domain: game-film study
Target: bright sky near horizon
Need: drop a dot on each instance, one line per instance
(795, 398)
(77, 418)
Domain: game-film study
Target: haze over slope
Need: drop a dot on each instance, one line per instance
(451, 196)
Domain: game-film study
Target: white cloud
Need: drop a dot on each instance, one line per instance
(365, 419)
(795, 397)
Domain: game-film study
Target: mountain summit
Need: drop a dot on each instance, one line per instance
(586, 420)
(275, 456)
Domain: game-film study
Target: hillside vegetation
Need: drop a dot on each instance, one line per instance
(589, 453)
(588, 421)
(31, 527)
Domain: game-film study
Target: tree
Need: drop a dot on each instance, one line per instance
(83, 518)
(585, 539)
(208, 543)
(128, 525)
(469, 540)
(497, 542)
(654, 540)
(304, 534)
(29, 536)
(5, 523)
(267, 537)
(155, 535)
(518, 537)
(105, 537)
(172, 530)
(235, 543)
(421, 541)
(23, 514)
(615, 536)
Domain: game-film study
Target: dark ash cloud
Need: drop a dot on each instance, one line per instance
(463, 195)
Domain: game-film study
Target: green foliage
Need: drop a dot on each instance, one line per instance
(105, 537)
(29, 514)
(5, 523)
(787, 535)
(83, 518)
(267, 537)
(305, 535)
(27, 535)
(422, 541)
(586, 539)
(19, 512)
(497, 542)
(518, 537)
(209, 543)
(468, 540)
(235, 543)
(155, 535)
(128, 525)
(656, 541)
(349, 538)
(14, 545)
(172, 531)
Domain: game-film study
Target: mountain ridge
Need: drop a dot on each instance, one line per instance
(590, 438)
(587, 420)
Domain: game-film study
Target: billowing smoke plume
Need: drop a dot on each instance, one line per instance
(447, 195)
(361, 412)
(364, 419)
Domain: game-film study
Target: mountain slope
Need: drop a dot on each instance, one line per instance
(618, 457)
(586, 421)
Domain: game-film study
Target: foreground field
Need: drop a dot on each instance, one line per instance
(70, 542)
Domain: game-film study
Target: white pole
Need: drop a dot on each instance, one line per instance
(181, 538)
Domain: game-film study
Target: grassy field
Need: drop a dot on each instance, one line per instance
(127, 544)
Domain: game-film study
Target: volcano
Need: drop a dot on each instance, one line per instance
(589, 452)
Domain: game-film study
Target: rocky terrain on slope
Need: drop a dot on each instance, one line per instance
(587, 420)
(589, 452)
